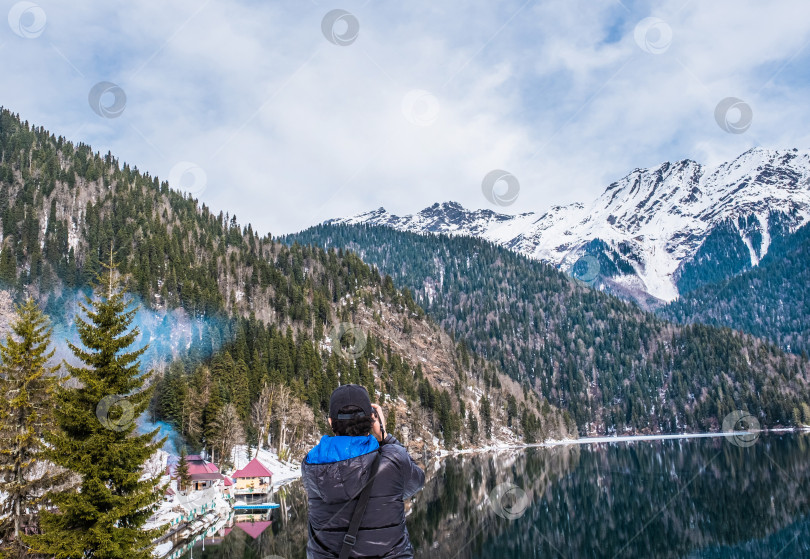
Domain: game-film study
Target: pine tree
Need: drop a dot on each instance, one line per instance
(28, 384)
(8, 263)
(391, 421)
(105, 518)
(183, 476)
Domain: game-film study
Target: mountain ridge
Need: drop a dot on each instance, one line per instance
(652, 220)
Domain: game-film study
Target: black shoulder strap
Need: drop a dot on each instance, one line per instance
(354, 526)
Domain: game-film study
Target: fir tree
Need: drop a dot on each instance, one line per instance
(105, 518)
(183, 476)
(391, 421)
(8, 264)
(28, 384)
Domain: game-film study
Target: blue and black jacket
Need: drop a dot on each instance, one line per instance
(334, 473)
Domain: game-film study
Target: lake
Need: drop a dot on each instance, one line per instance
(685, 498)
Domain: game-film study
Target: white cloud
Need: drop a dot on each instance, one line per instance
(291, 129)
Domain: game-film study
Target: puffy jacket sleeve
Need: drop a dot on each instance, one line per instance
(413, 476)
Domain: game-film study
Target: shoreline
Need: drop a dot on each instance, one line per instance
(633, 438)
(664, 436)
(549, 443)
(293, 474)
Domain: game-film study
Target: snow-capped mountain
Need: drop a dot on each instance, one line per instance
(650, 224)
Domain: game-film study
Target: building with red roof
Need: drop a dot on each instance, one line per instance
(254, 478)
(203, 474)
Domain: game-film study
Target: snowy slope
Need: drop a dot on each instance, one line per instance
(654, 219)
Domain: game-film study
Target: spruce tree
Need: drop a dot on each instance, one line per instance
(8, 263)
(105, 518)
(26, 413)
(183, 476)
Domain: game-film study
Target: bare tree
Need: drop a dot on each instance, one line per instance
(301, 426)
(281, 405)
(260, 414)
(420, 419)
(228, 432)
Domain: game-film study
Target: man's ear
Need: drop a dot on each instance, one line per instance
(329, 419)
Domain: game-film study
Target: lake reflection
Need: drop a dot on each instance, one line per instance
(695, 498)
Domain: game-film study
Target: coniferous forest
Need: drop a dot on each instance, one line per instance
(264, 311)
(770, 301)
(613, 366)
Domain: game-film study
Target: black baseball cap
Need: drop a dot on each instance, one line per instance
(349, 395)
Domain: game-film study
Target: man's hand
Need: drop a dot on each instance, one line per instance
(378, 422)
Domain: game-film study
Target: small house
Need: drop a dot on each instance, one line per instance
(203, 474)
(253, 479)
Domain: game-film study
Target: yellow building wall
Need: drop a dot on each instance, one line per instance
(247, 483)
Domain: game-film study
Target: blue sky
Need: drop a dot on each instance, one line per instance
(251, 107)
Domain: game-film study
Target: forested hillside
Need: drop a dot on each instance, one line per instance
(771, 301)
(264, 316)
(612, 365)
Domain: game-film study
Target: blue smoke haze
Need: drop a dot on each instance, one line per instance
(170, 334)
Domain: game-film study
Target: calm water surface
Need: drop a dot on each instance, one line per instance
(686, 498)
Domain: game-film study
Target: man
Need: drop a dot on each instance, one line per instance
(336, 470)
